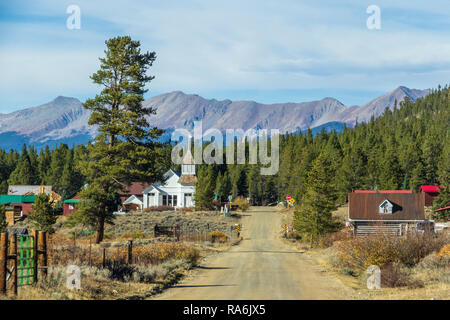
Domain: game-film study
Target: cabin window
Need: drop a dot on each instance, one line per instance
(386, 207)
(170, 200)
(164, 200)
(71, 207)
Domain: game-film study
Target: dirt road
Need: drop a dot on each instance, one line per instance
(261, 267)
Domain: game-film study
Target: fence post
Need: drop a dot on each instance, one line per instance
(74, 245)
(104, 258)
(90, 252)
(130, 252)
(13, 255)
(42, 247)
(35, 256)
(3, 261)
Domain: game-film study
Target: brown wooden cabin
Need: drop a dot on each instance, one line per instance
(387, 211)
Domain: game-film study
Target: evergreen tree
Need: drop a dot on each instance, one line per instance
(204, 188)
(24, 173)
(419, 176)
(70, 180)
(271, 195)
(125, 149)
(314, 215)
(57, 161)
(3, 224)
(44, 164)
(43, 217)
(3, 187)
(442, 201)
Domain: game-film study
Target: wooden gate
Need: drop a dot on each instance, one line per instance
(20, 256)
(26, 260)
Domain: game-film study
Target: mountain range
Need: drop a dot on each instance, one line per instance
(64, 120)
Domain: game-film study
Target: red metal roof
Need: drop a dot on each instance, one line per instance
(383, 191)
(136, 188)
(430, 188)
(442, 209)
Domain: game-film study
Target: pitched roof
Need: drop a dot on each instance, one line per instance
(383, 191)
(135, 188)
(187, 179)
(171, 172)
(23, 189)
(188, 159)
(430, 188)
(386, 201)
(132, 199)
(17, 199)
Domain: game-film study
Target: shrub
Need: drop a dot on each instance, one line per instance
(434, 261)
(327, 240)
(445, 251)
(242, 203)
(395, 275)
(217, 236)
(435, 267)
(137, 234)
(381, 250)
(349, 272)
(159, 209)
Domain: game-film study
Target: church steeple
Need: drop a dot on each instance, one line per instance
(188, 164)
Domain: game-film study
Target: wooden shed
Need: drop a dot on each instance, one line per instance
(388, 211)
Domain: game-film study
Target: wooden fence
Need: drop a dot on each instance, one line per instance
(169, 231)
(22, 258)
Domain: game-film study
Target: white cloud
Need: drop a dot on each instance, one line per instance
(232, 45)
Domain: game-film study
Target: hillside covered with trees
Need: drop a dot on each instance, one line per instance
(402, 149)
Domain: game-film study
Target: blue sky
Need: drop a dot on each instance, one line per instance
(268, 51)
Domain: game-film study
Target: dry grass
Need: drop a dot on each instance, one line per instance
(158, 209)
(64, 253)
(413, 267)
(242, 203)
(105, 284)
(218, 236)
(381, 250)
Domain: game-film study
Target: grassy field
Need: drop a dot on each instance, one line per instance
(157, 262)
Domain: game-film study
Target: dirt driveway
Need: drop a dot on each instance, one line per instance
(261, 267)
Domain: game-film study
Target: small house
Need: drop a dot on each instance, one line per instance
(388, 211)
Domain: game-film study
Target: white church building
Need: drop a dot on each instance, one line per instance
(177, 190)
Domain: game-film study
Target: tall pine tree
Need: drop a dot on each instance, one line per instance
(125, 149)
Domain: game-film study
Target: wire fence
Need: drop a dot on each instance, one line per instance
(83, 250)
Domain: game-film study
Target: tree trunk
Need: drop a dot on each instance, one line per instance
(100, 228)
